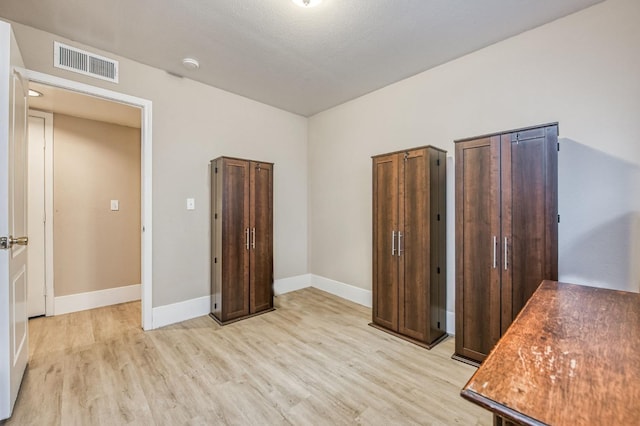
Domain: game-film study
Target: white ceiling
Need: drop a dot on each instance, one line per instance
(61, 101)
(300, 60)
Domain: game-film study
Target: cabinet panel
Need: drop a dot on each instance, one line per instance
(529, 215)
(235, 223)
(409, 296)
(385, 226)
(241, 238)
(414, 245)
(261, 284)
(506, 231)
(477, 237)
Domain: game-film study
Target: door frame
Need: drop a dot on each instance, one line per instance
(145, 106)
(47, 191)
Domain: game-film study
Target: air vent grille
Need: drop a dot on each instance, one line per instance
(83, 62)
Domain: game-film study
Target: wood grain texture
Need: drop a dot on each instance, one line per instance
(409, 288)
(241, 239)
(529, 215)
(234, 258)
(569, 358)
(415, 260)
(312, 361)
(385, 230)
(261, 223)
(477, 227)
(506, 231)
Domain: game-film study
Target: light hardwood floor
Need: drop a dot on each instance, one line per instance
(313, 361)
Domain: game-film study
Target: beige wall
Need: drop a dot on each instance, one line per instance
(95, 248)
(582, 71)
(192, 124)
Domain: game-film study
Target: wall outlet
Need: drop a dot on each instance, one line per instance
(115, 205)
(191, 204)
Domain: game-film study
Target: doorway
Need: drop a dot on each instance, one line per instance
(144, 107)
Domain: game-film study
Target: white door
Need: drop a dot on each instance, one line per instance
(14, 336)
(36, 219)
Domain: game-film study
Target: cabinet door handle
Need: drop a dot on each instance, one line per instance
(399, 243)
(505, 253)
(393, 243)
(495, 243)
(253, 234)
(246, 232)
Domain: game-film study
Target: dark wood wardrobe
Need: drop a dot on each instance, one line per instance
(241, 238)
(409, 244)
(506, 231)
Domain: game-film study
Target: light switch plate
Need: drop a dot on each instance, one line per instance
(115, 205)
(191, 204)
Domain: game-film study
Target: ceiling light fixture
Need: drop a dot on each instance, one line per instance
(191, 63)
(34, 93)
(307, 3)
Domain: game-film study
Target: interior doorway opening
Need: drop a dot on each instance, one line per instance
(120, 107)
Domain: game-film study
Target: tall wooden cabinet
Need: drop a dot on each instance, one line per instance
(409, 247)
(506, 230)
(242, 238)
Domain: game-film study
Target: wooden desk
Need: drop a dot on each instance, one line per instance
(571, 357)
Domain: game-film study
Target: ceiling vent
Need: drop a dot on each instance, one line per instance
(83, 62)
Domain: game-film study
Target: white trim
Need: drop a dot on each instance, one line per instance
(48, 213)
(96, 299)
(181, 311)
(286, 285)
(48, 207)
(355, 294)
(146, 172)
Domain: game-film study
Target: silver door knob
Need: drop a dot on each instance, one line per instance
(21, 241)
(7, 243)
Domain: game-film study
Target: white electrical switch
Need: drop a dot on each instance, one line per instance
(115, 205)
(191, 204)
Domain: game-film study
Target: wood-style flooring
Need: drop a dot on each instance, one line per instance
(313, 361)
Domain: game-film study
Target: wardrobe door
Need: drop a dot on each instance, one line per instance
(414, 245)
(529, 216)
(235, 238)
(477, 250)
(385, 241)
(261, 252)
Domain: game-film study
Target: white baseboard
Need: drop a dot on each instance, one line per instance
(95, 299)
(188, 309)
(362, 296)
(286, 285)
(181, 311)
(355, 294)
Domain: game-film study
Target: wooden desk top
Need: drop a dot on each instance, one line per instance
(571, 357)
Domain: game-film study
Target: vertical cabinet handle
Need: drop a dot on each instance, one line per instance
(495, 243)
(253, 236)
(393, 243)
(399, 243)
(246, 232)
(505, 253)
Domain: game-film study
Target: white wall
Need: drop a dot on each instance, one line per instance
(192, 124)
(582, 71)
